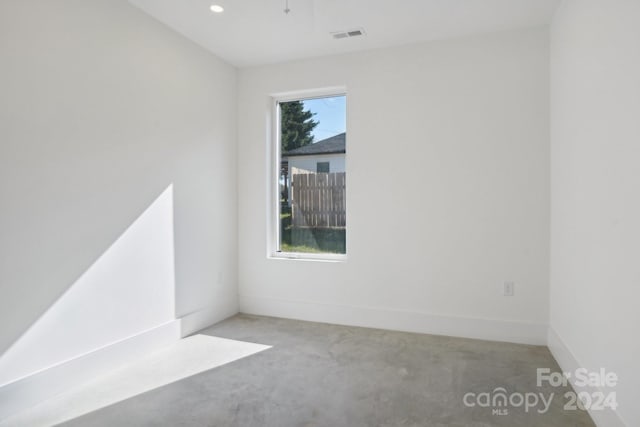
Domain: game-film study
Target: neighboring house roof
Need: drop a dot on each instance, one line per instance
(332, 145)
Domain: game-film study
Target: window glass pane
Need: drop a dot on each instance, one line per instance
(312, 180)
(322, 167)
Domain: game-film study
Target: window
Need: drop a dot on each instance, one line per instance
(322, 167)
(310, 186)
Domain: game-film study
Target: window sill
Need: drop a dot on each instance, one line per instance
(297, 256)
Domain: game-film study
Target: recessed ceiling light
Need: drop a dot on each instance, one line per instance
(216, 8)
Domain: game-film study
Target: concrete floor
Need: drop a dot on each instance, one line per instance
(328, 375)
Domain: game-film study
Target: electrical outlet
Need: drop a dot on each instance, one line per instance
(509, 289)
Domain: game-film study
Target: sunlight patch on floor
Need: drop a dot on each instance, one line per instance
(187, 357)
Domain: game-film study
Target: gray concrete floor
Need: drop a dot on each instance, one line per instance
(327, 375)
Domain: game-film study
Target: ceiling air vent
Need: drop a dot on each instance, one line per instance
(347, 34)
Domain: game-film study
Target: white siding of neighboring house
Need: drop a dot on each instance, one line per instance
(308, 164)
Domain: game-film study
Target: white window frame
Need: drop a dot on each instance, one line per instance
(273, 190)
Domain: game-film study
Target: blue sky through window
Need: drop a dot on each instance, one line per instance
(331, 113)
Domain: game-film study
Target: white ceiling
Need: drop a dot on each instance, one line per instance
(253, 32)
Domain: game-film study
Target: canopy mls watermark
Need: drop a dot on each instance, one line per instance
(500, 401)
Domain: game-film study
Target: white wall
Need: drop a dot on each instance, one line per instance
(128, 290)
(310, 163)
(448, 190)
(102, 110)
(595, 238)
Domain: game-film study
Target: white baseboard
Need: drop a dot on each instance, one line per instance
(399, 320)
(568, 363)
(33, 389)
(206, 316)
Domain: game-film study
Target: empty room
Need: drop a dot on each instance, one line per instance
(319, 213)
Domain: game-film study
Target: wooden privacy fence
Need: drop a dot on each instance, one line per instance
(318, 200)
